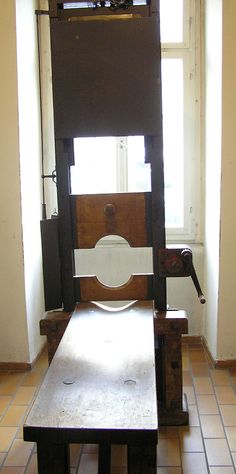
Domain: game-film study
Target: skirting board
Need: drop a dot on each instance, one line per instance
(15, 366)
(20, 366)
(191, 339)
(217, 364)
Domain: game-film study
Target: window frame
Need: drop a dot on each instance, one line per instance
(189, 51)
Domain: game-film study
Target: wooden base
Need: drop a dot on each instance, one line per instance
(173, 417)
(104, 459)
(53, 458)
(92, 391)
(15, 366)
(54, 326)
(169, 327)
(142, 459)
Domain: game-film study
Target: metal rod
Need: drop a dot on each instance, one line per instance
(44, 210)
(41, 12)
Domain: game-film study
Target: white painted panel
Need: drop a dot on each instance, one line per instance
(113, 266)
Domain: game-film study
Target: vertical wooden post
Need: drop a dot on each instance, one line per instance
(154, 156)
(173, 371)
(158, 218)
(172, 408)
(53, 8)
(104, 459)
(142, 459)
(53, 458)
(65, 227)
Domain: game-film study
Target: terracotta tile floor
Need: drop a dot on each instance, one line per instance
(207, 445)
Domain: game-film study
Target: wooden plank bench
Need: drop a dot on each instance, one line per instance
(168, 328)
(100, 388)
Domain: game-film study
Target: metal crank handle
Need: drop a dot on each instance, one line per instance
(200, 294)
(187, 257)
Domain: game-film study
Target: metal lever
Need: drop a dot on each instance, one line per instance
(186, 255)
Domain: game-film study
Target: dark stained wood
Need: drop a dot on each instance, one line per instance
(53, 326)
(159, 365)
(115, 91)
(51, 264)
(155, 149)
(148, 215)
(52, 8)
(63, 158)
(69, 147)
(91, 358)
(154, 156)
(172, 407)
(169, 326)
(53, 458)
(155, 8)
(142, 461)
(139, 287)
(94, 385)
(55, 321)
(104, 459)
(123, 214)
(104, 88)
(173, 322)
(174, 416)
(173, 371)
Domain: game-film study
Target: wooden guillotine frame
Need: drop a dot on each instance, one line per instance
(106, 70)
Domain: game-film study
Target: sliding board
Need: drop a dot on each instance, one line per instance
(100, 388)
(105, 77)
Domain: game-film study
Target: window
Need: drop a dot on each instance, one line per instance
(122, 158)
(180, 95)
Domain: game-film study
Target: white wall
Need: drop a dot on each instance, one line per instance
(13, 323)
(220, 68)
(20, 247)
(47, 105)
(30, 166)
(227, 281)
(213, 111)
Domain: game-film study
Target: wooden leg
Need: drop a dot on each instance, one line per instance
(171, 408)
(53, 458)
(173, 371)
(104, 459)
(169, 327)
(142, 459)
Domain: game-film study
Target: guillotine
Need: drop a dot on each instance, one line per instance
(106, 74)
(115, 375)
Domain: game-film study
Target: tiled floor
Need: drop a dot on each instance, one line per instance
(207, 445)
